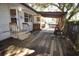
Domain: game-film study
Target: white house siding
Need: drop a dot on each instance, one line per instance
(39, 22)
(5, 18)
(4, 21)
(20, 15)
(27, 10)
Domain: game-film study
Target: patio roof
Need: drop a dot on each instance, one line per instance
(52, 14)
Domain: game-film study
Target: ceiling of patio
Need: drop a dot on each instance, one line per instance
(52, 14)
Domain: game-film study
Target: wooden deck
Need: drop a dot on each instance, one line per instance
(45, 44)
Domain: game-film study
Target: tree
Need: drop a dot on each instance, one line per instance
(39, 6)
(70, 8)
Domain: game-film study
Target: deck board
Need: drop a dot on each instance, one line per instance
(44, 44)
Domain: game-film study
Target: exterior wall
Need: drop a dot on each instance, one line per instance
(37, 24)
(20, 15)
(5, 18)
(35, 19)
(4, 22)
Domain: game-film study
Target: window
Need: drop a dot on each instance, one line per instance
(30, 18)
(25, 17)
(13, 16)
(13, 12)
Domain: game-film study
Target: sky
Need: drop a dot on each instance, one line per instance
(50, 8)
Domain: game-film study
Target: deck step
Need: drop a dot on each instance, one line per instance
(21, 35)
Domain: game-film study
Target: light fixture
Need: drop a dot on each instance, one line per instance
(20, 9)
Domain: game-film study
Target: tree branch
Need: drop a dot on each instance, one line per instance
(73, 12)
(57, 6)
